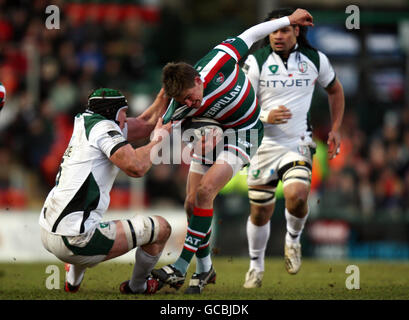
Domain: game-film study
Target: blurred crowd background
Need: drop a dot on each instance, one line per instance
(49, 73)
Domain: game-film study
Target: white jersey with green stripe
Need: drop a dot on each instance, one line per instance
(86, 175)
(228, 96)
(291, 85)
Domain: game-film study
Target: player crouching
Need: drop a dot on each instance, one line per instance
(71, 220)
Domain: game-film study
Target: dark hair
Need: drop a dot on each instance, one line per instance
(177, 77)
(282, 12)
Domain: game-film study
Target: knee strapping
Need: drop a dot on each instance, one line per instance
(297, 174)
(262, 197)
(141, 230)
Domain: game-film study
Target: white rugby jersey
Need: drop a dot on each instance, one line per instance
(291, 86)
(81, 194)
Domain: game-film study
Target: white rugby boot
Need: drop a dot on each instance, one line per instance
(292, 257)
(253, 279)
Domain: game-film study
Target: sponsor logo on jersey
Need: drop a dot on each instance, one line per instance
(255, 173)
(273, 68)
(219, 79)
(302, 66)
(285, 83)
(222, 102)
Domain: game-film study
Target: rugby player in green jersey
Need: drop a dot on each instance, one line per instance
(215, 88)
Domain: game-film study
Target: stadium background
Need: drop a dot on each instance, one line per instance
(359, 202)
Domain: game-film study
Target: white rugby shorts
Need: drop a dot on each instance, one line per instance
(270, 158)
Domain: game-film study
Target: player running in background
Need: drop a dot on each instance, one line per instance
(284, 73)
(215, 88)
(2, 96)
(72, 215)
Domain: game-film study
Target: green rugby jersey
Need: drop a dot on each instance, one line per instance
(228, 96)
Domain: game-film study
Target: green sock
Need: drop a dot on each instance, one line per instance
(198, 227)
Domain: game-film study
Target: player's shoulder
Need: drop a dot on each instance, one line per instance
(234, 47)
(261, 55)
(316, 56)
(97, 124)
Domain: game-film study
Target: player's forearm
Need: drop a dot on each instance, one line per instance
(262, 30)
(145, 156)
(337, 105)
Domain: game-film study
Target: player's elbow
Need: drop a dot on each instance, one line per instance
(137, 170)
(134, 164)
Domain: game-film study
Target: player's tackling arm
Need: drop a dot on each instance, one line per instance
(142, 126)
(136, 162)
(337, 105)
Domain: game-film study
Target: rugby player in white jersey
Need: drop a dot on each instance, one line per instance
(2, 96)
(284, 73)
(215, 88)
(72, 223)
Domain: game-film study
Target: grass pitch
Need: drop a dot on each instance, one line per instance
(316, 280)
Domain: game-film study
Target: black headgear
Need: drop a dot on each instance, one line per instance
(106, 102)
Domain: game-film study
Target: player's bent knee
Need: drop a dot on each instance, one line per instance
(141, 230)
(296, 198)
(165, 230)
(295, 203)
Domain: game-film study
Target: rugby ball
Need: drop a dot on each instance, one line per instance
(200, 126)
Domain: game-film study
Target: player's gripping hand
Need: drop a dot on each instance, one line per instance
(279, 115)
(301, 17)
(161, 130)
(162, 100)
(334, 143)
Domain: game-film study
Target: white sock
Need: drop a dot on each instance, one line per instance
(75, 275)
(144, 264)
(294, 227)
(203, 264)
(257, 238)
